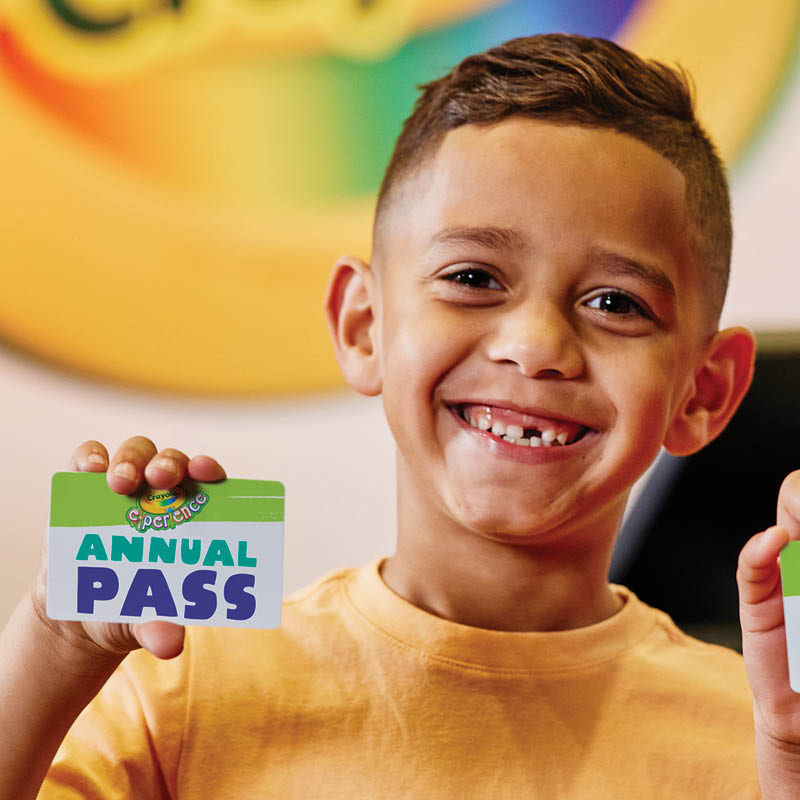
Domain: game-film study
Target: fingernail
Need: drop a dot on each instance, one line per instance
(167, 464)
(95, 458)
(125, 470)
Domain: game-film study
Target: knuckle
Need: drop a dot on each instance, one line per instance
(171, 452)
(741, 575)
(88, 455)
(789, 496)
(745, 551)
(792, 481)
(789, 493)
(84, 449)
(745, 575)
(90, 445)
(140, 444)
(119, 639)
(130, 454)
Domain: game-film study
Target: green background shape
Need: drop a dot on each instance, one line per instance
(790, 569)
(83, 499)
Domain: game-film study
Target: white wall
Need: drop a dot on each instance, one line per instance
(764, 292)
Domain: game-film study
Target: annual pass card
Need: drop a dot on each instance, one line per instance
(198, 554)
(790, 584)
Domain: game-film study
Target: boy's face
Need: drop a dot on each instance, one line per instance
(539, 276)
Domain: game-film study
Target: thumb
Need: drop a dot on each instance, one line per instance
(162, 639)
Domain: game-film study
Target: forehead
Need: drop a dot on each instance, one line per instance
(566, 190)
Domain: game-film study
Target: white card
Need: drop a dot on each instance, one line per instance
(198, 554)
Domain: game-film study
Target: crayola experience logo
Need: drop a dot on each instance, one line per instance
(162, 509)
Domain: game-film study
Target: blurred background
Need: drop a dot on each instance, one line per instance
(178, 179)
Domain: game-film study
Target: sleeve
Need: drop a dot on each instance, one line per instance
(127, 742)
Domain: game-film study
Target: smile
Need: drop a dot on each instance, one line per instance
(522, 430)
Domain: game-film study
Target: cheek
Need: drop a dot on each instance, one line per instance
(420, 346)
(640, 384)
(639, 392)
(411, 364)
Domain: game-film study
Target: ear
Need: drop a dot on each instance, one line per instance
(350, 308)
(718, 388)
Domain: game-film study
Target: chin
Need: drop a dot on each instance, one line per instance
(489, 522)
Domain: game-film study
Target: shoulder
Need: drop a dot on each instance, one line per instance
(689, 701)
(323, 590)
(685, 651)
(675, 664)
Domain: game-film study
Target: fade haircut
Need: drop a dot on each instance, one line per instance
(571, 79)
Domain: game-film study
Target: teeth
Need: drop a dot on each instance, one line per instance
(548, 436)
(514, 434)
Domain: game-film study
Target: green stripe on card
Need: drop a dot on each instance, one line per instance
(790, 569)
(82, 499)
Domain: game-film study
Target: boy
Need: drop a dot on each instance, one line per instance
(540, 316)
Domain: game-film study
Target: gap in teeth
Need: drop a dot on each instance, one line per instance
(515, 434)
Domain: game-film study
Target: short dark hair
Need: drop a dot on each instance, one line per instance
(571, 79)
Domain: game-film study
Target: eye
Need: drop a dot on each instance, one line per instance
(616, 303)
(474, 278)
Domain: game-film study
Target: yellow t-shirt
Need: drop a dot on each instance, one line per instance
(360, 694)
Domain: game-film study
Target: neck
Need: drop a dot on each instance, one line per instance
(469, 578)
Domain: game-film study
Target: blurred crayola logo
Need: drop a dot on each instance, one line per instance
(161, 501)
(103, 37)
(232, 149)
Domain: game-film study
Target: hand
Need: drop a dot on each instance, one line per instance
(51, 669)
(776, 707)
(135, 460)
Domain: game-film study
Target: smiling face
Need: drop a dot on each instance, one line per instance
(537, 276)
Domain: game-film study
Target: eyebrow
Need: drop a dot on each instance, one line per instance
(622, 266)
(499, 238)
(491, 237)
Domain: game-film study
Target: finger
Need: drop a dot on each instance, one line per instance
(126, 469)
(789, 504)
(91, 456)
(162, 639)
(758, 579)
(166, 469)
(205, 468)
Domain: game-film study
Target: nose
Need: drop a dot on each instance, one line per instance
(540, 339)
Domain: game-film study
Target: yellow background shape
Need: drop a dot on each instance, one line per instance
(111, 274)
(156, 35)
